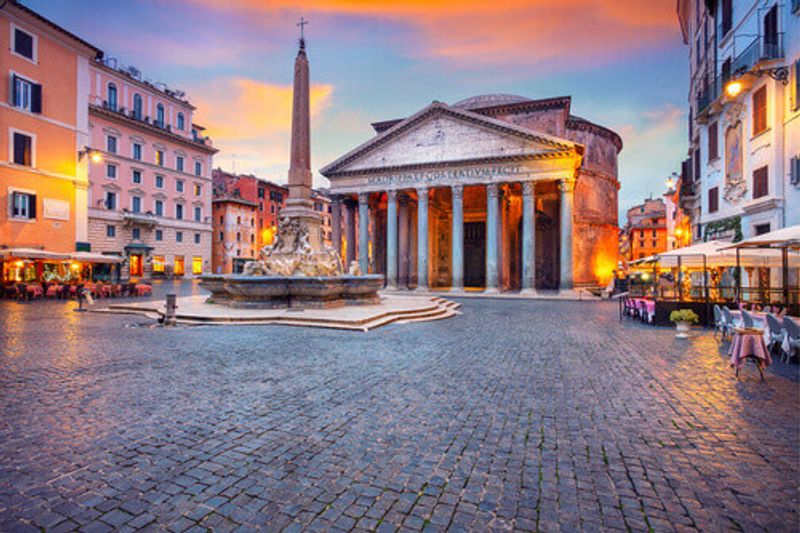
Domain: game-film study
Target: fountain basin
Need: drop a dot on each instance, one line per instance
(272, 292)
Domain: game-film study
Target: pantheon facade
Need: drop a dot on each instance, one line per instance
(493, 193)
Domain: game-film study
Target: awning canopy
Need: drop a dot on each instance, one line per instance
(714, 254)
(781, 238)
(32, 253)
(89, 257)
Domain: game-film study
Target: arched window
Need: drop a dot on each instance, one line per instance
(137, 106)
(180, 121)
(112, 97)
(160, 115)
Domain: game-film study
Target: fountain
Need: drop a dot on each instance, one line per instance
(297, 269)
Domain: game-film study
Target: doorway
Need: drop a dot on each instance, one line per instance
(136, 266)
(475, 254)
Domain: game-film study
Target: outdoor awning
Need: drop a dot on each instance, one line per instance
(89, 257)
(714, 254)
(32, 253)
(781, 238)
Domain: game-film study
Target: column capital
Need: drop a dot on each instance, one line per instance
(422, 194)
(363, 197)
(527, 188)
(391, 195)
(566, 185)
(457, 191)
(492, 190)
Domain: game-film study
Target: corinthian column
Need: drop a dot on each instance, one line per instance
(528, 238)
(363, 232)
(336, 223)
(403, 237)
(458, 237)
(391, 239)
(422, 238)
(567, 188)
(492, 194)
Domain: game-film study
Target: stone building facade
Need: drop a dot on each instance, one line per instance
(645, 232)
(150, 176)
(234, 235)
(497, 192)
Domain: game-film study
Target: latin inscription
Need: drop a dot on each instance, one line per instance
(435, 176)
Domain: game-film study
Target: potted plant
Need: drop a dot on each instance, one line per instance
(683, 318)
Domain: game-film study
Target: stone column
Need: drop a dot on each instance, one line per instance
(363, 232)
(403, 237)
(528, 238)
(391, 239)
(336, 223)
(567, 188)
(350, 233)
(422, 238)
(492, 194)
(457, 192)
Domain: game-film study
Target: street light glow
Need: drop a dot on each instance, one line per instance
(733, 88)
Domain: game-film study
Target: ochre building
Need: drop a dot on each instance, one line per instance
(496, 192)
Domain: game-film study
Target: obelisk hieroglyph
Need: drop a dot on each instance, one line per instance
(299, 205)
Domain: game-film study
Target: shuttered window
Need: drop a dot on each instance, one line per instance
(760, 182)
(23, 149)
(760, 110)
(713, 141)
(713, 199)
(23, 43)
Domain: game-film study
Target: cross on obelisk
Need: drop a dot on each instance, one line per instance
(302, 24)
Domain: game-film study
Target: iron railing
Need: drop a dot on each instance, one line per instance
(758, 50)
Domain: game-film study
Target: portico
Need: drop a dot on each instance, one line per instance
(454, 200)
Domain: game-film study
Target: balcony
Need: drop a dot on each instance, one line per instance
(761, 49)
(140, 219)
(708, 95)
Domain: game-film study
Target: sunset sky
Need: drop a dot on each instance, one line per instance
(622, 61)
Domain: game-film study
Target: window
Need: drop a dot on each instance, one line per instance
(23, 205)
(178, 269)
(179, 164)
(726, 22)
(272, 209)
(179, 185)
(197, 238)
(181, 124)
(111, 171)
(158, 263)
(136, 204)
(111, 144)
(160, 115)
(760, 110)
(159, 182)
(198, 168)
(761, 229)
(760, 182)
(198, 189)
(261, 192)
(221, 236)
(137, 233)
(198, 214)
(160, 158)
(27, 95)
(197, 265)
(24, 44)
(136, 151)
(238, 237)
(23, 149)
(726, 72)
(178, 236)
(136, 176)
(111, 200)
(796, 89)
(112, 97)
(159, 206)
(179, 211)
(771, 47)
(261, 206)
(159, 235)
(137, 106)
(111, 231)
(713, 141)
(238, 221)
(713, 199)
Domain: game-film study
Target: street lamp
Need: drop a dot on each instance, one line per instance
(95, 155)
(734, 87)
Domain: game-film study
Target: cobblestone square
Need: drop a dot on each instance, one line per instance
(526, 415)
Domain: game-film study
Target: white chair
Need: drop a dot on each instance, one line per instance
(775, 331)
(793, 333)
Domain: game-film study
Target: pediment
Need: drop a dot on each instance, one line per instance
(439, 134)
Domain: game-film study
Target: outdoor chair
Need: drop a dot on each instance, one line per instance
(747, 319)
(775, 331)
(719, 321)
(793, 332)
(729, 324)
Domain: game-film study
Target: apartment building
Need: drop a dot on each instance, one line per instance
(43, 138)
(645, 232)
(743, 174)
(234, 238)
(150, 175)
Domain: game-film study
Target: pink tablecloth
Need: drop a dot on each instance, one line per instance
(143, 290)
(37, 291)
(647, 307)
(746, 345)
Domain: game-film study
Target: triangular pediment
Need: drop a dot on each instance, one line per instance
(440, 134)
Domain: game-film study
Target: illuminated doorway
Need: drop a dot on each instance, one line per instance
(197, 265)
(180, 268)
(136, 265)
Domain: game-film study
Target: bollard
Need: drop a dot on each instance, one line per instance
(169, 316)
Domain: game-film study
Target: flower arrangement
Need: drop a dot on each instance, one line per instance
(684, 315)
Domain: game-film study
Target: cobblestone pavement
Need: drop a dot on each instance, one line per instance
(527, 415)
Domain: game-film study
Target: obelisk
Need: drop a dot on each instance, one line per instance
(299, 205)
